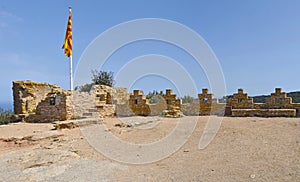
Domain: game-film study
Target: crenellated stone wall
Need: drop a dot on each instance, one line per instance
(241, 105)
(171, 100)
(205, 101)
(240, 100)
(139, 104)
(279, 100)
(168, 105)
(41, 102)
(209, 105)
(173, 105)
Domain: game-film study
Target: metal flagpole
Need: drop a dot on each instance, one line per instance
(68, 45)
(71, 75)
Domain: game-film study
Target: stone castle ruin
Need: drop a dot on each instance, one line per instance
(42, 102)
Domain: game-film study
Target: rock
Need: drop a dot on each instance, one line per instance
(123, 125)
(70, 124)
(65, 125)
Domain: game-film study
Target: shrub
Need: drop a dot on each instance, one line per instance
(103, 78)
(98, 78)
(5, 116)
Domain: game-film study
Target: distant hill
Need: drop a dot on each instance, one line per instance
(262, 98)
(295, 96)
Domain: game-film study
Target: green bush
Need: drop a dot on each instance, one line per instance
(103, 78)
(5, 116)
(98, 78)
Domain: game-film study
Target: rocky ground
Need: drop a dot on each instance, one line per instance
(244, 149)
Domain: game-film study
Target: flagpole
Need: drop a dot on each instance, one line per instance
(68, 45)
(71, 56)
(71, 62)
(71, 75)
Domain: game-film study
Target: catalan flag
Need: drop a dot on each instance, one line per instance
(68, 38)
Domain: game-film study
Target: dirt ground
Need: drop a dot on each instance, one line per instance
(244, 149)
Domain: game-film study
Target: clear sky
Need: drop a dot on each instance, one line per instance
(257, 42)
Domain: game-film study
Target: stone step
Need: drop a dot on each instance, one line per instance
(75, 123)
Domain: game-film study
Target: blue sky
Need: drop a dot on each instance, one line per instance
(257, 42)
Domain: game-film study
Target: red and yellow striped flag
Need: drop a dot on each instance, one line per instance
(68, 38)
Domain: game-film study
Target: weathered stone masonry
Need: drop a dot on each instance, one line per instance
(28, 94)
(168, 105)
(56, 106)
(139, 104)
(41, 102)
(210, 105)
(99, 102)
(241, 105)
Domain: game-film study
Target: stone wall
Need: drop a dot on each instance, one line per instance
(297, 108)
(41, 102)
(241, 105)
(264, 112)
(57, 106)
(121, 101)
(101, 101)
(277, 105)
(191, 109)
(209, 105)
(139, 104)
(218, 108)
(279, 100)
(205, 102)
(103, 96)
(28, 94)
(84, 102)
(158, 108)
(171, 100)
(124, 110)
(121, 96)
(173, 105)
(168, 105)
(240, 100)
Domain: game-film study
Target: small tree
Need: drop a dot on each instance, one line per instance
(103, 78)
(98, 78)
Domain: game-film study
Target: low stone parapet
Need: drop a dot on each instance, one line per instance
(264, 112)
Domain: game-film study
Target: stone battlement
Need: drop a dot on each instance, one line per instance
(42, 102)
